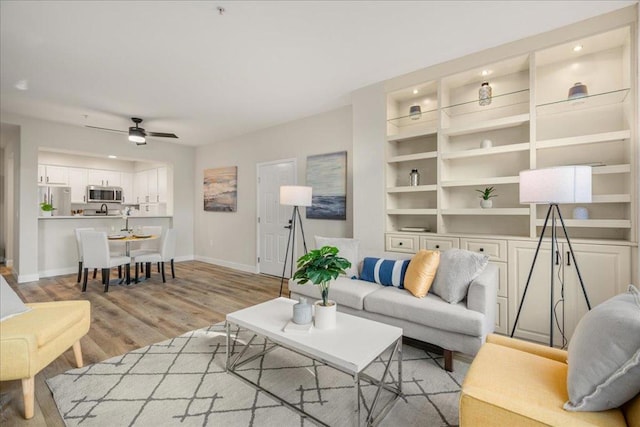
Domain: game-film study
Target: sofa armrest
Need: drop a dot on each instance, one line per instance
(482, 296)
(529, 347)
(17, 352)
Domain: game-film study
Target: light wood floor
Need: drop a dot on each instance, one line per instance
(127, 318)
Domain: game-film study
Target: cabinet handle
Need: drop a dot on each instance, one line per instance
(107, 183)
(481, 249)
(568, 258)
(437, 246)
(557, 257)
(400, 244)
(84, 199)
(47, 179)
(40, 178)
(157, 198)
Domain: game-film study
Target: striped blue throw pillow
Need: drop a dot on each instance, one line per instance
(387, 272)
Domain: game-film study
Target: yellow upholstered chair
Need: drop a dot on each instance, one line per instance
(517, 383)
(32, 340)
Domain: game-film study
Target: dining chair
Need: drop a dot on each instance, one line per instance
(148, 246)
(96, 254)
(167, 253)
(79, 247)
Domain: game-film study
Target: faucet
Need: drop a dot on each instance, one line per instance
(106, 209)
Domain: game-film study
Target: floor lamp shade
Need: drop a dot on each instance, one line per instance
(295, 195)
(563, 184)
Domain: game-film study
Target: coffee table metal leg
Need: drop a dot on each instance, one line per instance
(227, 327)
(356, 383)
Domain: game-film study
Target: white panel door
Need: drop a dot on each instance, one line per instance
(272, 217)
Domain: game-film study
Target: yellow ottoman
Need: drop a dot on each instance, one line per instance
(32, 340)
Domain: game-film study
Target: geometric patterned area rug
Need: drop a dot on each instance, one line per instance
(182, 382)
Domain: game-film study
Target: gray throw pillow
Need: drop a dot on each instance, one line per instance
(604, 355)
(10, 303)
(457, 269)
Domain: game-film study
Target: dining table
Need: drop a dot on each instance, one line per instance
(127, 238)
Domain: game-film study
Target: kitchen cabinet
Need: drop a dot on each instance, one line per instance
(150, 186)
(78, 184)
(52, 175)
(126, 182)
(605, 270)
(162, 185)
(103, 178)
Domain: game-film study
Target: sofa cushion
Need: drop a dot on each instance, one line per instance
(430, 311)
(386, 272)
(604, 355)
(347, 249)
(10, 303)
(458, 267)
(422, 269)
(344, 291)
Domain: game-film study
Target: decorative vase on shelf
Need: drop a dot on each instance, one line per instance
(484, 94)
(580, 213)
(414, 178)
(325, 317)
(302, 312)
(415, 112)
(45, 213)
(486, 204)
(578, 90)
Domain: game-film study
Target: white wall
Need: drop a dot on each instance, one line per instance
(9, 140)
(39, 134)
(234, 233)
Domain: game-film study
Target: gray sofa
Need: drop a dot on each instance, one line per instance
(460, 327)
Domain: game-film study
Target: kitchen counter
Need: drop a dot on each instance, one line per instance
(103, 216)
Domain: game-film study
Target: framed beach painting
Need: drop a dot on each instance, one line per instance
(221, 189)
(327, 174)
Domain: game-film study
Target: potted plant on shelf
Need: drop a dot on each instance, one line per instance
(320, 267)
(46, 209)
(485, 198)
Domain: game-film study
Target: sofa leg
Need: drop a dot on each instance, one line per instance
(448, 360)
(28, 394)
(77, 353)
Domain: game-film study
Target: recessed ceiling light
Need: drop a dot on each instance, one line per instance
(111, 156)
(577, 48)
(485, 72)
(415, 91)
(22, 85)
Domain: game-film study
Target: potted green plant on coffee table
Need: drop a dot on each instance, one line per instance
(46, 209)
(320, 267)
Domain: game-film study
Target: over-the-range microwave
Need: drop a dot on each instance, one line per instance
(96, 193)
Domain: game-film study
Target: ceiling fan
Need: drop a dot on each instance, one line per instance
(138, 134)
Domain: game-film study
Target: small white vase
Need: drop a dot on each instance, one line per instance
(45, 213)
(580, 213)
(486, 204)
(325, 317)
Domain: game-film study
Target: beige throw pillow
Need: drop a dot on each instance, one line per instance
(421, 271)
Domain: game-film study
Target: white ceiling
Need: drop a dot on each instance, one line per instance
(185, 68)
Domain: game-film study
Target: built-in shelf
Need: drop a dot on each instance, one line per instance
(585, 139)
(487, 125)
(511, 99)
(582, 103)
(591, 223)
(412, 211)
(412, 157)
(412, 189)
(482, 181)
(415, 132)
(486, 212)
(610, 169)
(611, 198)
(509, 148)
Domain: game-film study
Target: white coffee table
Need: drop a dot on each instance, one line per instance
(350, 348)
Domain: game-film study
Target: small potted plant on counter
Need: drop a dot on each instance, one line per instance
(46, 209)
(320, 267)
(485, 198)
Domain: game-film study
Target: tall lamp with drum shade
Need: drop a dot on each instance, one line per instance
(296, 196)
(552, 186)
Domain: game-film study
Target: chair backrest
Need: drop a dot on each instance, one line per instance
(153, 245)
(79, 241)
(95, 249)
(168, 245)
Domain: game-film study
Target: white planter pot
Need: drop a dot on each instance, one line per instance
(45, 213)
(486, 204)
(325, 317)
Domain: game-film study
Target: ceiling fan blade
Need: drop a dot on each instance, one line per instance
(162, 135)
(110, 130)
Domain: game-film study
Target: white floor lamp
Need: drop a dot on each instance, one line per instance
(296, 196)
(563, 184)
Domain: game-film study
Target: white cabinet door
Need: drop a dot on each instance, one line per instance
(42, 174)
(103, 178)
(152, 182)
(126, 182)
(112, 178)
(78, 184)
(162, 185)
(141, 187)
(95, 177)
(56, 175)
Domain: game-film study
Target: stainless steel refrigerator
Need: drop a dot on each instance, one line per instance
(59, 197)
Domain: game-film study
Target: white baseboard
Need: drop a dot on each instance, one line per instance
(58, 272)
(8, 262)
(236, 266)
(183, 258)
(23, 278)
